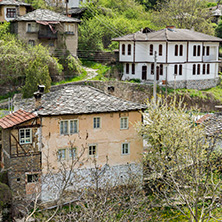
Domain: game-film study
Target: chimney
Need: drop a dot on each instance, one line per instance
(170, 27)
(38, 96)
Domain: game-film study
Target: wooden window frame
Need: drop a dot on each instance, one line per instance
(26, 138)
(124, 123)
(124, 149)
(160, 50)
(151, 49)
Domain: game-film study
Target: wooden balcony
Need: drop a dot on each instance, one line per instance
(47, 34)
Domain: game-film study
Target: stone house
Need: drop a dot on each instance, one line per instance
(185, 58)
(10, 9)
(51, 29)
(73, 123)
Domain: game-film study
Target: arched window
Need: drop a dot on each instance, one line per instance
(208, 51)
(161, 69)
(194, 50)
(204, 69)
(127, 68)
(151, 49)
(129, 49)
(194, 69)
(160, 50)
(198, 69)
(176, 50)
(208, 68)
(181, 50)
(203, 50)
(133, 68)
(152, 69)
(198, 50)
(180, 70)
(175, 69)
(123, 49)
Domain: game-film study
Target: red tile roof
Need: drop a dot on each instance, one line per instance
(203, 118)
(16, 118)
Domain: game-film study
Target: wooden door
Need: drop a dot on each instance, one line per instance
(144, 72)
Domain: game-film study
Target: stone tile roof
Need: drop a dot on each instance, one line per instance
(45, 15)
(13, 2)
(76, 99)
(169, 35)
(16, 118)
(213, 125)
(76, 10)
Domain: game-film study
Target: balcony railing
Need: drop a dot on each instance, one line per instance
(47, 34)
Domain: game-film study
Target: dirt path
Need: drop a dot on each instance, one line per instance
(91, 73)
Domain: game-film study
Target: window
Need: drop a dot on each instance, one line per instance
(208, 68)
(194, 50)
(160, 50)
(125, 149)
(133, 68)
(194, 69)
(127, 68)
(152, 69)
(175, 69)
(198, 50)
(203, 53)
(10, 12)
(70, 29)
(129, 49)
(208, 51)
(176, 50)
(161, 69)
(25, 136)
(181, 50)
(123, 49)
(180, 70)
(72, 153)
(61, 154)
(31, 43)
(96, 122)
(32, 27)
(204, 69)
(124, 123)
(68, 127)
(32, 178)
(92, 150)
(73, 126)
(151, 49)
(64, 127)
(198, 69)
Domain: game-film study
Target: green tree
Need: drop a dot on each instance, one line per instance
(180, 162)
(185, 14)
(218, 30)
(36, 73)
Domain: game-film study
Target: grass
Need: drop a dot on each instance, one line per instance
(75, 79)
(101, 69)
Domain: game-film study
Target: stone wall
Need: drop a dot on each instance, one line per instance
(194, 84)
(110, 176)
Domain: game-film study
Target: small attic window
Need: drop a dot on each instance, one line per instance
(147, 30)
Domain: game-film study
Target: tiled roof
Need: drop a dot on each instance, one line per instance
(13, 2)
(16, 118)
(204, 118)
(76, 99)
(76, 10)
(213, 125)
(45, 15)
(169, 35)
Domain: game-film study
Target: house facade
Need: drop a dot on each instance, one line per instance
(10, 9)
(51, 29)
(78, 127)
(185, 59)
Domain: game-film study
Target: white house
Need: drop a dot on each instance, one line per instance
(185, 58)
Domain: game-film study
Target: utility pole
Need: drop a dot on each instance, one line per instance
(67, 1)
(166, 79)
(154, 83)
